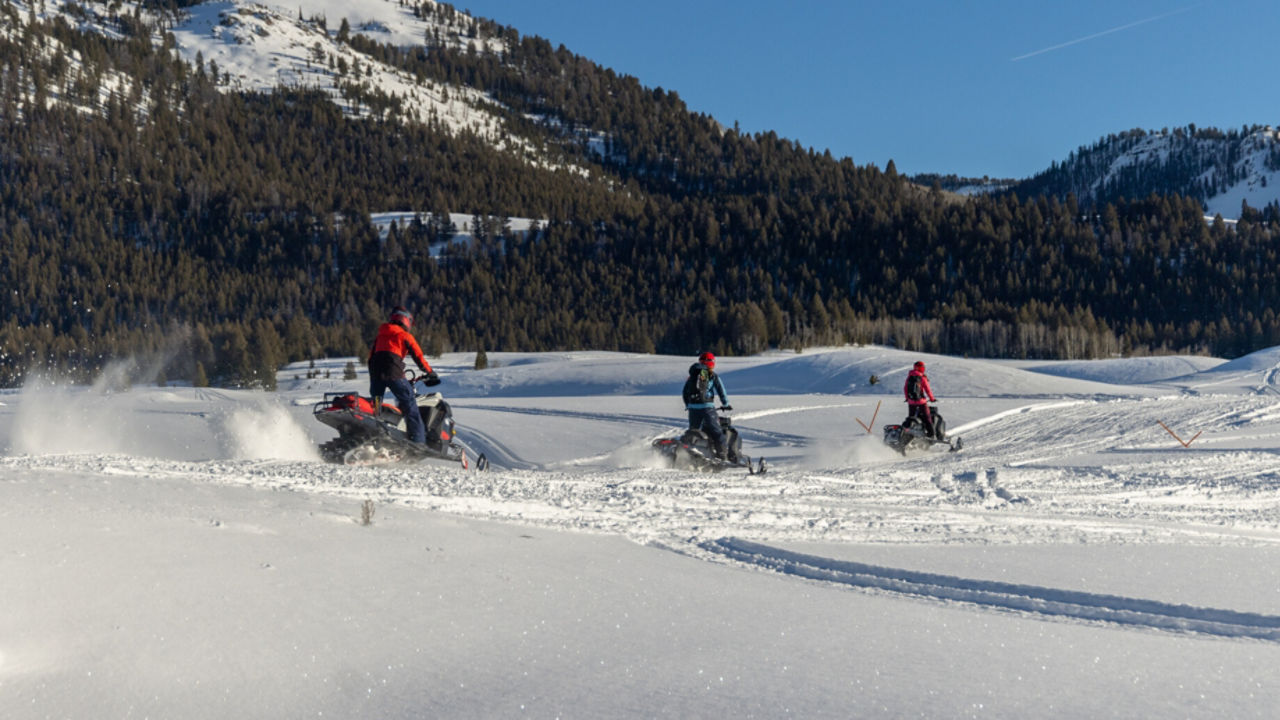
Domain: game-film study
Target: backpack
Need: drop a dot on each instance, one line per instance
(695, 388)
(915, 388)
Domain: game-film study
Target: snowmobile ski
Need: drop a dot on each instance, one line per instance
(910, 435)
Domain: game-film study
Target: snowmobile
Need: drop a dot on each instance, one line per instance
(369, 437)
(910, 435)
(693, 450)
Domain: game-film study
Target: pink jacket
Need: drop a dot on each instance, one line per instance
(924, 385)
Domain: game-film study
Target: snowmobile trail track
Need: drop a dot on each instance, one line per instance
(484, 443)
(665, 422)
(1035, 600)
(1081, 428)
(629, 419)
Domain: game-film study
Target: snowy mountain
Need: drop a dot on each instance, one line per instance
(668, 231)
(180, 552)
(260, 46)
(1221, 169)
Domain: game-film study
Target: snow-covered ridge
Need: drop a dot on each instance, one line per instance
(1260, 184)
(1233, 168)
(1257, 180)
(260, 46)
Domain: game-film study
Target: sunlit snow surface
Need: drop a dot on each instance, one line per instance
(177, 551)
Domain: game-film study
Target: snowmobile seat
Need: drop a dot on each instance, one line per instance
(691, 437)
(390, 413)
(352, 401)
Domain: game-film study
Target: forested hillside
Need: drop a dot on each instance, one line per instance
(144, 208)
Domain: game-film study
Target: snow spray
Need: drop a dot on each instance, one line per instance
(264, 431)
(54, 419)
(861, 450)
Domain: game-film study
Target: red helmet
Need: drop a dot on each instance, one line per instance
(919, 366)
(707, 359)
(402, 316)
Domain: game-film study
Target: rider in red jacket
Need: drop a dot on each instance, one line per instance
(386, 370)
(919, 395)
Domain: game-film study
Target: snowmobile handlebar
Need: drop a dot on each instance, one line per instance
(430, 378)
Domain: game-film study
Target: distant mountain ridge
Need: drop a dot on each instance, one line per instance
(259, 46)
(1220, 169)
(263, 46)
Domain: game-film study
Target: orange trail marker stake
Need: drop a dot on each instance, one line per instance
(1175, 435)
(867, 427)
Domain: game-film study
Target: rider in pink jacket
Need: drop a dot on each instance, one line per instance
(919, 395)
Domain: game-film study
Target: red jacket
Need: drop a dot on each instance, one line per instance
(386, 357)
(924, 386)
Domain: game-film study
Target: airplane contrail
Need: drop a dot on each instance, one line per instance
(1100, 34)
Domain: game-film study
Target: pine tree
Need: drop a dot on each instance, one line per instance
(199, 378)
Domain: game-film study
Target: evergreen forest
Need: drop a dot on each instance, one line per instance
(228, 233)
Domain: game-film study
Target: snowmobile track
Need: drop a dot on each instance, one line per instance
(483, 443)
(1053, 602)
(629, 419)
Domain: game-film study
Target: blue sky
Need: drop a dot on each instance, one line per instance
(1000, 88)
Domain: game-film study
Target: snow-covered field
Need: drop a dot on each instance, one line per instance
(179, 552)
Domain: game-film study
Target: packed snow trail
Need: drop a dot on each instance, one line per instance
(1006, 596)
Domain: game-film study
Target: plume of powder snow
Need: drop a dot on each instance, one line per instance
(55, 418)
(264, 431)
(858, 451)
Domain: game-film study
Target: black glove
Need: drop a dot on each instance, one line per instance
(727, 407)
(431, 379)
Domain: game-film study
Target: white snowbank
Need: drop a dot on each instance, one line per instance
(1129, 371)
(1081, 560)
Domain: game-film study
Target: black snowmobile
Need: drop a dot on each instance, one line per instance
(693, 450)
(911, 435)
(369, 438)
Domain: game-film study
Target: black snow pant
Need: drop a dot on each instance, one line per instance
(706, 420)
(404, 399)
(921, 410)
